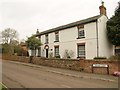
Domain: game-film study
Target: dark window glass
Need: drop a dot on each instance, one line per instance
(46, 38)
(81, 51)
(39, 51)
(56, 51)
(81, 34)
(56, 36)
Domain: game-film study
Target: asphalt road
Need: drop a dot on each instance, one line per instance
(20, 76)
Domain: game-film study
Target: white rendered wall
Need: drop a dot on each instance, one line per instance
(68, 40)
(91, 40)
(105, 48)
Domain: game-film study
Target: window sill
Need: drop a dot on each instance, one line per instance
(81, 57)
(56, 41)
(80, 37)
(46, 43)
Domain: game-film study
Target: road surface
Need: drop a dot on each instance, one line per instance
(21, 76)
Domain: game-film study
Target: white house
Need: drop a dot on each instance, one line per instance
(82, 39)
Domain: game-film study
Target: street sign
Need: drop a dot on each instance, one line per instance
(100, 66)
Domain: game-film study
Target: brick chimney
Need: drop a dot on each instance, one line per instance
(37, 31)
(102, 9)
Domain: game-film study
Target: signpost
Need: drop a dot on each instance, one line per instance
(100, 66)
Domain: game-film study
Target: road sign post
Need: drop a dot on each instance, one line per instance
(100, 66)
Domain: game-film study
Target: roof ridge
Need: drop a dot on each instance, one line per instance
(83, 21)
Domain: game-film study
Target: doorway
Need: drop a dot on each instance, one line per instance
(46, 53)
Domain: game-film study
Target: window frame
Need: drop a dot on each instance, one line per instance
(39, 52)
(79, 55)
(56, 36)
(56, 53)
(81, 29)
(117, 50)
(46, 39)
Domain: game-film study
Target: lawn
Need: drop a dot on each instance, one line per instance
(3, 87)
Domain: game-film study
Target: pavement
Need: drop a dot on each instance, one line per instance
(73, 73)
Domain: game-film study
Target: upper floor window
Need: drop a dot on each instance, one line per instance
(46, 38)
(81, 33)
(56, 36)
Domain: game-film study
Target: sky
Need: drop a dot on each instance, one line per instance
(26, 16)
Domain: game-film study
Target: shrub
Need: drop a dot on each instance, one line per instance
(50, 55)
(58, 56)
(115, 57)
(68, 54)
(43, 58)
(81, 69)
(100, 58)
(68, 57)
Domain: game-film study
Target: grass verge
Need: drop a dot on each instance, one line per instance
(3, 87)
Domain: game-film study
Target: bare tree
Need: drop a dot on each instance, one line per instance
(68, 54)
(8, 35)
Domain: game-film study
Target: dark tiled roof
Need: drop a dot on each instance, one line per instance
(91, 19)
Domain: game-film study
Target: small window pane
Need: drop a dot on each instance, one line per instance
(81, 51)
(46, 38)
(56, 36)
(56, 51)
(81, 33)
(39, 51)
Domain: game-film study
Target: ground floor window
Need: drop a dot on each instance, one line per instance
(117, 50)
(81, 51)
(56, 50)
(39, 51)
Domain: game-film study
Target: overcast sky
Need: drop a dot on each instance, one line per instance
(26, 16)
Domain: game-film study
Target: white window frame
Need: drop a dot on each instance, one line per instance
(46, 39)
(81, 53)
(81, 35)
(56, 36)
(56, 50)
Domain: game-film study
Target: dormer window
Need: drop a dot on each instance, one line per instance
(46, 38)
(56, 37)
(81, 33)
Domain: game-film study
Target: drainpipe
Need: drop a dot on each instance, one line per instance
(97, 38)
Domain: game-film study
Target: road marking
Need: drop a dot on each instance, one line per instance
(66, 86)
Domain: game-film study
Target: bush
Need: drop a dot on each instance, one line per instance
(68, 57)
(68, 54)
(58, 56)
(44, 58)
(116, 57)
(50, 55)
(100, 58)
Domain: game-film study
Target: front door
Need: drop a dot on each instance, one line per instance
(46, 53)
